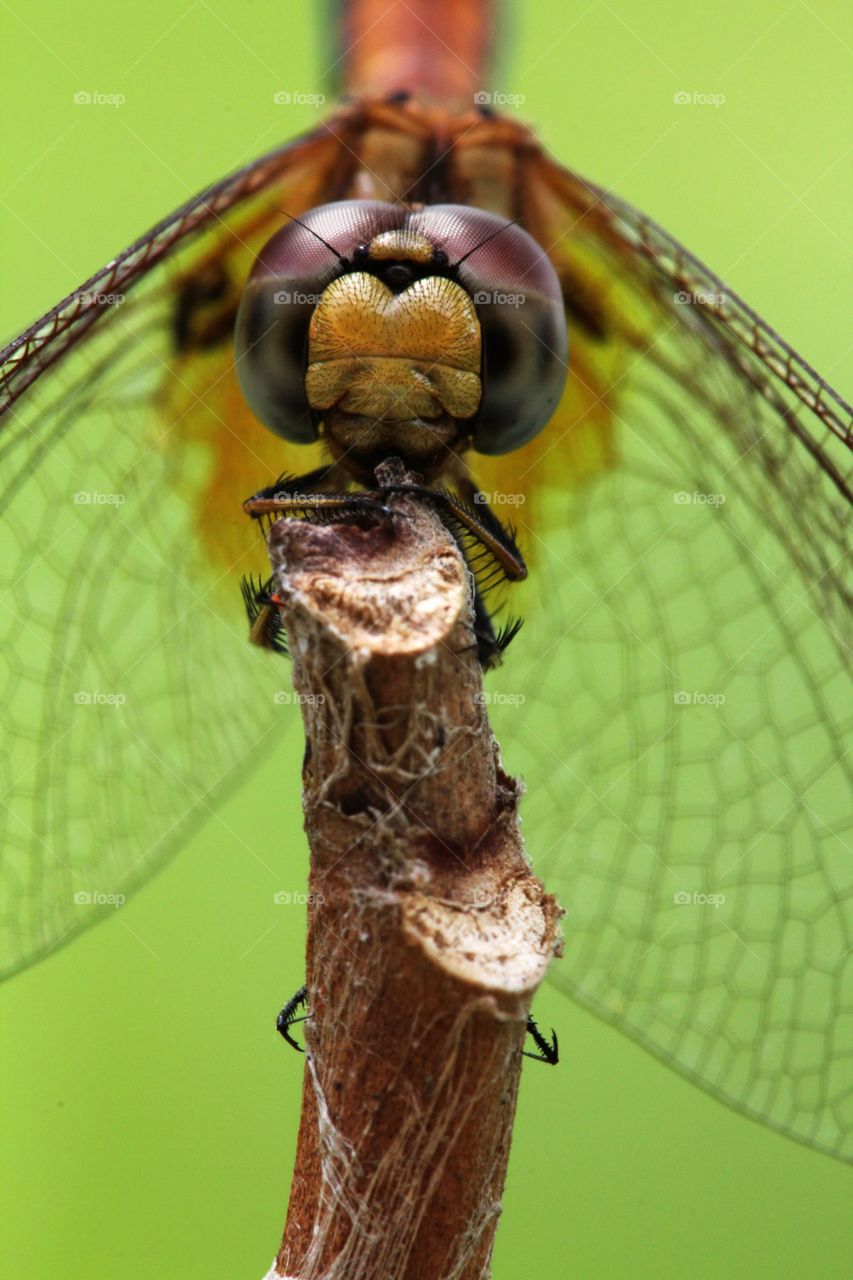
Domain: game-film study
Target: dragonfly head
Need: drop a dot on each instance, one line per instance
(391, 330)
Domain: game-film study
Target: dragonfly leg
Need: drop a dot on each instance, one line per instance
(305, 496)
(276, 502)
(482, 537)
(469, 510)
(315, 481)
(261, 604)
(490, 552)
(489, 547)
(548, 1050)
(287, 1018)
(491, 644)
(475, 519)
(311, 495)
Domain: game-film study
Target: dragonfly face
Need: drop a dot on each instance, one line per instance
(408, 332)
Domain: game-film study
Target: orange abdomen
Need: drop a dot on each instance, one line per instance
(434, 49)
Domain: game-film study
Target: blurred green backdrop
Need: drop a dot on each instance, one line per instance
(149, 1112)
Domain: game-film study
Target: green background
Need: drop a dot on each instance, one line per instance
(149, 1114)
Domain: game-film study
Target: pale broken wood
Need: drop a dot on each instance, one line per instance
(428, 933)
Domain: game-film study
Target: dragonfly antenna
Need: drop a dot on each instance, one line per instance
(304, 225)
(490, 236)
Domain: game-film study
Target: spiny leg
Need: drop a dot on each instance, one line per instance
(261, 604)
(490, 551)
(491, 643)
(317, 493)
(316, 481)
(294, 495)
(476, 500)
(478, 521)
(287, 1018)
(489, 548)
(548, 1051)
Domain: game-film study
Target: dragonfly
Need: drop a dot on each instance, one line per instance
(677, 699)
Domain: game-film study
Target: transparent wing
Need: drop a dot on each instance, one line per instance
(678, 701)
(130, 698)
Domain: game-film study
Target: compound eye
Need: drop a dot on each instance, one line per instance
(522, 320)
(285, 284)
(525, 364)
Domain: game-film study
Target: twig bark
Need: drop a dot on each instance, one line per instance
(428, 934)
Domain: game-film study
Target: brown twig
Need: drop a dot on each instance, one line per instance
(428, 934)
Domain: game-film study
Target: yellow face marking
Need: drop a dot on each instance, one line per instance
(386, 355)
(407, 245)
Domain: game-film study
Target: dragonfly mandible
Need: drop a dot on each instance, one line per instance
(686, 791)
